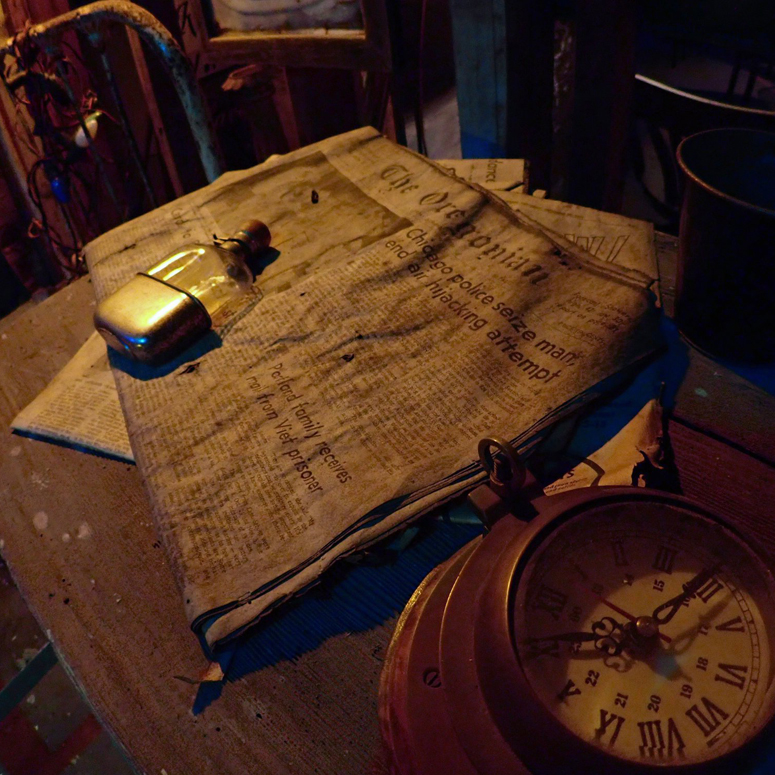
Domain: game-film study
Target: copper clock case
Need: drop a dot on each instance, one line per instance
(454, 697)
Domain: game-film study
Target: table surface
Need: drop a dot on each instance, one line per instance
(108, 601)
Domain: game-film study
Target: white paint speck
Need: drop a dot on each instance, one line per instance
(31, 699)
(84, 530)
(163, 771)
(40, 520)
(39, 480)
(16, 451)
(65, 538)
(701, 392)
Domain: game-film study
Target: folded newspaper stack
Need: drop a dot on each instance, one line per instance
(405, 315)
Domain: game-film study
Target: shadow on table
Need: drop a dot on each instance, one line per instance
(354, 595)
(191, 356)
(70, 445)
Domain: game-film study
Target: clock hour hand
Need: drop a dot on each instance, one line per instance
(608, 636)
(665, 612)
(630, 618)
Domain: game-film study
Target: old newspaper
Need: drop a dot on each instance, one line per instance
(81, 407)
(405, 314)
(492, 174)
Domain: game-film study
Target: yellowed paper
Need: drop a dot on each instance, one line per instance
(612, 238)
(404, 316)
(617, 239)
(80, 406)
(617, 460)
(492, 174)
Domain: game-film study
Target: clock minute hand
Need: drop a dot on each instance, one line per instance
(665, 612)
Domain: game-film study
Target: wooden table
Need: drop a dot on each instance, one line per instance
(109, 603)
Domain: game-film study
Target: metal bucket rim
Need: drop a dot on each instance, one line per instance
(712, 189)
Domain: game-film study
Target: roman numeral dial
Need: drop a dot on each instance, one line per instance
(550, 600)
(664, 560)
(647, 639)
(610, 726)
(660, 739)
(707, 716)
(569, 690)
(731, 625)
(734, 675)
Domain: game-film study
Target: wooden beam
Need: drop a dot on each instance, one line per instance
(604, 82)
(479, 34)
(530, 87)
(144, 76)
(504, 63)
(337, 48)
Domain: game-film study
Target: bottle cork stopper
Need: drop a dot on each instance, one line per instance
(256, 236)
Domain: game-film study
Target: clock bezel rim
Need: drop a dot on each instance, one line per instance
(504, 684)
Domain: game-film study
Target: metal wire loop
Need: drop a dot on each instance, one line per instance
(505, 467)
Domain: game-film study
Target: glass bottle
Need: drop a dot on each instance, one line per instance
(161, 312)
(214, 274)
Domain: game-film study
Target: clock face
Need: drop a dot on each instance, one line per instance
(642, 630)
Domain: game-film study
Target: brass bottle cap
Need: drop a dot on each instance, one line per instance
(255, 235)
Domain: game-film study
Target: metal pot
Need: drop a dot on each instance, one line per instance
(725, 291)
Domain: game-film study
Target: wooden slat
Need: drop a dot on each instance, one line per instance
(324, 102)
(284, 106)
(728, 481)
(479, 31)
(366, 49)
(339, 49)
(530, 87)
(504, 63)
(603, 86)
(144, 76)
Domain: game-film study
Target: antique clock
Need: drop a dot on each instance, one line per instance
(606, 630)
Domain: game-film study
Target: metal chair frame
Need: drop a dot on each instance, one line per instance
(91, 19)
